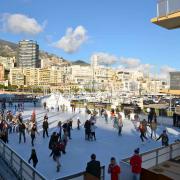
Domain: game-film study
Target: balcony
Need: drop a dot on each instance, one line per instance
(168, 14)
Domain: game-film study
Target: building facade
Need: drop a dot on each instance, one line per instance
(28, 54)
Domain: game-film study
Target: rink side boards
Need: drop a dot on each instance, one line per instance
(81, 175)
(18, 165)
(159, 155)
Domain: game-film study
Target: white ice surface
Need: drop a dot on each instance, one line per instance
(108, 143)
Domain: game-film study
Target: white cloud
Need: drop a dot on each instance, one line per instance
(165, 70)
(105, 58)
(73, 39)
(130, 62)
(20, 24)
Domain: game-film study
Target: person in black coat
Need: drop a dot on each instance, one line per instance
(45, 128)
(34, 158)
(94, 167)
(22, 128)
(53, 140)
(164, 138)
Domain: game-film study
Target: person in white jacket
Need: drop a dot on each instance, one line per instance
(93, 134)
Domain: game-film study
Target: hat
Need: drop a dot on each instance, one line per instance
(136, 151)
(93, 156)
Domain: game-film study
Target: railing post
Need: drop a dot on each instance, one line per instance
(171, 151)
(20, 171)
(11, 161)
(167, 10)
(157, 6)
(157, 153)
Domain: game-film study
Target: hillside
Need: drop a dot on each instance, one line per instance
(9, 49)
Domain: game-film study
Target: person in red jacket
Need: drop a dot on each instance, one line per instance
(114, 169)
(135, 163)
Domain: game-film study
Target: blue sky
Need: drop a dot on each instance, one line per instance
(121, 28)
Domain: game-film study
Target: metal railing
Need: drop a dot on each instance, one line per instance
(81, 175)
(18, 165)
(159, 155)
(166, 7)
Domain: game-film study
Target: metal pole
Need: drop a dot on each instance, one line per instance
(167, 10)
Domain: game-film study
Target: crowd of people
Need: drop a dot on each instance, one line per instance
(11, 122)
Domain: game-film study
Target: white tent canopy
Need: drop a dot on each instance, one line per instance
(55, 100)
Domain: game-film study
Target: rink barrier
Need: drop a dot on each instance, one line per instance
(81, 175)
(159, 155)
(18, 165)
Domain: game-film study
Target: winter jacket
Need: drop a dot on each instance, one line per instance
(165, 139)
(34, 158)
(94, 168)
(93, 127)
(153, 126)
(45, 125)
(135, 163)
(114, 170)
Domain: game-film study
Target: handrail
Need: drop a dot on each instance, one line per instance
(166, 7)
(17, 164)
(170, 150)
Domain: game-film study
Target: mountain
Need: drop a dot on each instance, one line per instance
(8, 49)
(80, 62)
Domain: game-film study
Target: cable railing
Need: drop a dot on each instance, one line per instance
(166, 7)
(18, 165)
(159, 155)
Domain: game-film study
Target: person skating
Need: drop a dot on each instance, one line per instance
(33, 157)
(153, 126)
(120, 125)
(142, 131)
(87, 127)
(93, 168)
(22, 128)
(106, 116)
(56, 153)
(78, 123)
(53, 140)
(45, 128)
(59, 129)
(164, 138)
(136, 162)
(33, 133)
(93, 132)
(114, 169)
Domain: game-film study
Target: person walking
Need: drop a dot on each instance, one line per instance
(136, 162)
(33, 133)
(153, 126)
(93, 169)
(45, 128)
(114, 169)
(164, 138)
(33, 157)
(22, 128)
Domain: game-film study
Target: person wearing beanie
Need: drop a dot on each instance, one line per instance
(136, 162)
(164, 138)
(114, 169)
(93, 169)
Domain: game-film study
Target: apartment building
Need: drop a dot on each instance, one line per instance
(28, 54)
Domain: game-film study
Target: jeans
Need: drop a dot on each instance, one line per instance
(136, 176)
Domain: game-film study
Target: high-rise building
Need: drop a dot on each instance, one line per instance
(1, 72)
(28, 54)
